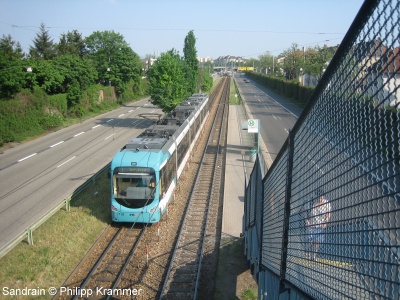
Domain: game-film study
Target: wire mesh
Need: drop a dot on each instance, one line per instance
(344, 223)
(273, 211)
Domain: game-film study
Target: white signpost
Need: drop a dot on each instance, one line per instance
(253, 126)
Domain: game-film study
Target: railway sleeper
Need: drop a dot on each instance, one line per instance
(201, 195)
(183, 278)
(202, 187)
(184, 258)
(190, 266)
(196, 227)
(121, 255)
(105, 279)
(193, 223)
(197, 209)
(117, 262)
(193, 236)
(196, 214)
(181, 287)
(179, 294)
(199, 200)
(185, 255)
(191, 247)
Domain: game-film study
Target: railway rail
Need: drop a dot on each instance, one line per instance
(184, 271)
(109, 268)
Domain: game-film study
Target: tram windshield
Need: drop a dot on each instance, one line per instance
(134, 187)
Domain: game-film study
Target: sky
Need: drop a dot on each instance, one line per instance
(247, 28)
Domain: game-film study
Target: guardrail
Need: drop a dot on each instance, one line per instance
(28, 233)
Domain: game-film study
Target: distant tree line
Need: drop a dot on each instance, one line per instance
(296, 61)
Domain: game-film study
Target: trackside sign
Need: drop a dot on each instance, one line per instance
(252, 125)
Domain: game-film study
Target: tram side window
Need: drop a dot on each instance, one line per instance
(197, 124)
(183, 147)
(168, 173)
(192, 132)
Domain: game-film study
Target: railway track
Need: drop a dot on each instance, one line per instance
(184, 271)
(108, 270)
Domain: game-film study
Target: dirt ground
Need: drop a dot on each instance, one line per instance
(234, 280)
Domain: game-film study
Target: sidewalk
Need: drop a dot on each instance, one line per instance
(238, 167)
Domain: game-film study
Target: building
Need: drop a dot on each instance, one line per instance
(229, 61)
(205, 59)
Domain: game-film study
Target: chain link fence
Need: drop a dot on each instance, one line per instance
(326, 215)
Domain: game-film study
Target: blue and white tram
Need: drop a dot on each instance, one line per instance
(144, 173)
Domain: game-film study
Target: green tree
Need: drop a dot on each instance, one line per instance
(116, 63)
(77, 72)
(316, 59)
(10, 48)
(293, 61)
(43, 46)
(267, 62)
(12, 69)
(190, 57)
(252, 62)
(71, 43)
(127, 67)
(101, 47)
(46, 76)
(167, 81)
(206, 80)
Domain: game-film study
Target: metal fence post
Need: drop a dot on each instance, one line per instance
(288, 195)
(29, 232)
(68, 204)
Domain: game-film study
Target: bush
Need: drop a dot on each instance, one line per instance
(52, 120)
(59, 102)
(73, 96)
(289, 89)
(31, 113)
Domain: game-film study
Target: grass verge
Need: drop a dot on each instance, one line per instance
(234, 280)
(59, 244)
(233, 97)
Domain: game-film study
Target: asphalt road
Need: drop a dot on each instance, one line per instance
(38, 175)
(276, 114)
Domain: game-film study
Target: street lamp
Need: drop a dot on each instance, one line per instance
(302, 76)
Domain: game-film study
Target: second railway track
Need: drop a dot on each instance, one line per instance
(184, 272)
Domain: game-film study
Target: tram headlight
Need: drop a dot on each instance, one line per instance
(113, 208)
(153, 209)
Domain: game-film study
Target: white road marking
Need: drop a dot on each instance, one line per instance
(78, 134)
(109, 137)
(110, 120)
(56, 144)
(95, 126)
(27, 157)
(120, 115)
(66, 162)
